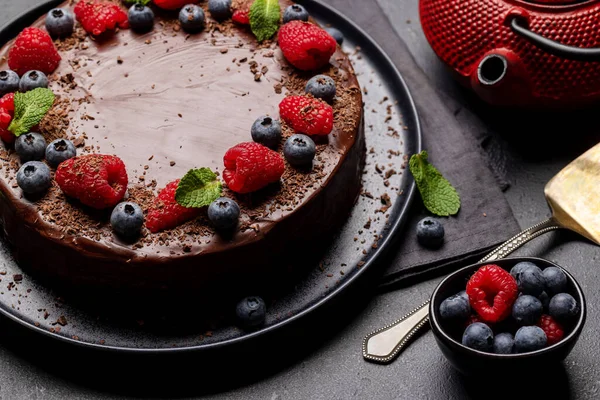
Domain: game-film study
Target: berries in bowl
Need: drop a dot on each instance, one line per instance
(506, 315)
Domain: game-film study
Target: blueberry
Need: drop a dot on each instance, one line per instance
(34, 177)
(219, 9)
(527, 310)
(545, 299)
(430, 232)
(251, 312)
(299, 150)
(30, 147)
(555, 279)
(59, 23)
(141, 18)
(266, 131)
(530, 338)
(478, 336)
(456, 307)
(504, 343)
(127, 219)
(9, 82)
(33, 80)
(295, 12)
(59, 151)
(563, 307)
(530, 280)
(224, 213)
(192, 18)
(322, 87)
(336, 34)
(519, 267)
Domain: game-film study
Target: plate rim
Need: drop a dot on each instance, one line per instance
(383, 247)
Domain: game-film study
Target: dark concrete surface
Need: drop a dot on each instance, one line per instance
(332, 366)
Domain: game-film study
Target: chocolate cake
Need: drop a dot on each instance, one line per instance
(165, 102)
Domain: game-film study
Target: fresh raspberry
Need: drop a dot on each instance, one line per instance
(166, 213)
(5, 119)
(8, 102)
(33, 50)
(307, 115)
(251, 166)
(97, 180)
(554, 330)
(241, 17)
(97, 16)
(172, 4)
(306, 46)
(492, 292)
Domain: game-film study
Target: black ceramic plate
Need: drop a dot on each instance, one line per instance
(392, 134)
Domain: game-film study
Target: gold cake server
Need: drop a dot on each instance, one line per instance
(573, 196)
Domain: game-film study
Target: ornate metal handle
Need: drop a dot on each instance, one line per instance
(553, 47)
(384, 344)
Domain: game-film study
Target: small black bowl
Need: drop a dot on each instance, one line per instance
(473, 362)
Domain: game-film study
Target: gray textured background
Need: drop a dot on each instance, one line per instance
(335, 369)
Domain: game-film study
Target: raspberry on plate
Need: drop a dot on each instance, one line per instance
(97, 180)
(172, 4)
(553, 329)
(305, 45)
(7, 108)
(166, 213)
(241, 17)
(307, 115)
(251, 166)
(8, 102)
(492, 292)
(97, 16)
(33, 50)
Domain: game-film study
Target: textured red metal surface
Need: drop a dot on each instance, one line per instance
(463, 32)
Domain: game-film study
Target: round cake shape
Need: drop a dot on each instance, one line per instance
(166, 102)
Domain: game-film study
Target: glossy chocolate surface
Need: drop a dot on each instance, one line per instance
(166, 102)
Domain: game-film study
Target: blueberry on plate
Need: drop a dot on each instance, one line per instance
(34, 177)
(30, 147)
(59, 23)
(555, 280)
(58, 151)
(322, 87)
(531, 281)
(456, 307)
(527, 310)
(430, 232)
(251, 312)
(33, 80)
(224, 213)
(504, 343)
(9, 82)
(336, 34)
(266, 131)
(530, 338)
(220, 9)
(191, 18)
(141, 18)
(520, 267)
(127, 219)
(563, 307)
(478, 336)
(299, 150)
(545, 299)
(295, 12)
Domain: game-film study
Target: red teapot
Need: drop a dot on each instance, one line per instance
(534, 53)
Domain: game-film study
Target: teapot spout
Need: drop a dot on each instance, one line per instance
(501, 79)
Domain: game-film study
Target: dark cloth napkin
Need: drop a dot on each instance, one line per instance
(457, 149)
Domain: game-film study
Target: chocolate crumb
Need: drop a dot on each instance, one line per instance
(172, 163)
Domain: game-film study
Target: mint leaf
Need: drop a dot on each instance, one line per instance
(30, 108)
(438, 195)
(198, 188)
(264, 18)
(142, 2)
